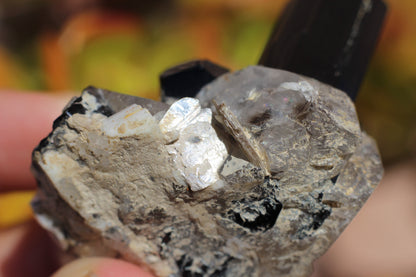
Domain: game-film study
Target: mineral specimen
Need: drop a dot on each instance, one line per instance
(258, 182)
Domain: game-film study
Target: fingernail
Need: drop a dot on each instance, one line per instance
(79, 268)
(100, 267)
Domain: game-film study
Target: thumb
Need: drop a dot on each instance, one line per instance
(101, 267)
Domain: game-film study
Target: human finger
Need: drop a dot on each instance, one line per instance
(101, 267)
(27, 250)
(25, 118)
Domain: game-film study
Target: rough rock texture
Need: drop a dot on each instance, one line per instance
(298, 170)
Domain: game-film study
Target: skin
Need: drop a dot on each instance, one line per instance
(27, 250)
(380, 241)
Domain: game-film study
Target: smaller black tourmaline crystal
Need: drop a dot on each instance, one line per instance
(73, 108)
(185, 80)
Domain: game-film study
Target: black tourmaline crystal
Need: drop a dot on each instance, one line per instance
(185, 80)
(328, 40)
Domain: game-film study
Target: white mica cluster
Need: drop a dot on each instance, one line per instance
(197, 151)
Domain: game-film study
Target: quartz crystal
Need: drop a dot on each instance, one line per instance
(308, 129)
(259, 181)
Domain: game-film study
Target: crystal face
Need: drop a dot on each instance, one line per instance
(185, 80)
(307, 129)
(331, 41)
(197, 151)
(130, 121)
(259, 181)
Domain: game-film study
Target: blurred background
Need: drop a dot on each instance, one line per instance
(123, 45)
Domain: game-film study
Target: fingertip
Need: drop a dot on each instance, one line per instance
(114, 268)
(81, 267)
(101, 267)
(27, 118)
(27, 250)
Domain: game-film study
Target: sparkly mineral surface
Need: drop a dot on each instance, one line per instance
(256, 176)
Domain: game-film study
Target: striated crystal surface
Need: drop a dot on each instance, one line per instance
(331, 41)
(261, 188)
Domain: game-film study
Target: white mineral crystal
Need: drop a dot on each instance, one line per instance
(90, 102)
(131, 121)
(191, 140)
(198, 153)
(181, 114)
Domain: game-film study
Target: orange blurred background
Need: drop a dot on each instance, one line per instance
(123, 45)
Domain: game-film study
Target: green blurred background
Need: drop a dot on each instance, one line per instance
(123, 45)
